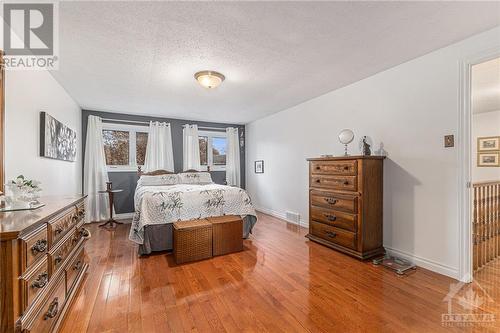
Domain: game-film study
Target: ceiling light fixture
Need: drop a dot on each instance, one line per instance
(209, 79)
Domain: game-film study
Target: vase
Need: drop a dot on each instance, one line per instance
(17, 198)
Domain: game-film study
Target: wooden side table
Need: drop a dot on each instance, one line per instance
(111, 193)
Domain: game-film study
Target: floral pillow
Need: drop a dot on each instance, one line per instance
(195, 178)
(172, 179)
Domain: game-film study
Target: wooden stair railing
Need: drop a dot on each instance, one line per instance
(486, 223)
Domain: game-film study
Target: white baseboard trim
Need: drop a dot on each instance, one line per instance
(124, 216)
(424, 263)
(282, 216)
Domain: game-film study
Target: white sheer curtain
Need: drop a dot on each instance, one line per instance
(95, 173)
(159, 153)
(190, 148)
(232, 157)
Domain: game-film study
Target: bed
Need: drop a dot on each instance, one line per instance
(162, 197)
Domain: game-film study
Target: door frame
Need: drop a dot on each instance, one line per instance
(465, 269)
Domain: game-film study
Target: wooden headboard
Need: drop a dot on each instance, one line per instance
(163, 172)
(153, 173)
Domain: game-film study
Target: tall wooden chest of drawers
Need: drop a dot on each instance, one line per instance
(42, 264)
(345, 204)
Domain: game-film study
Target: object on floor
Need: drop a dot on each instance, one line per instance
(111, 194)
(345, 200)
(398, 265)
(226, 234)
(192, 240)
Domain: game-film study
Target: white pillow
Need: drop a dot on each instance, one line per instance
(170, 179)
(195, 178)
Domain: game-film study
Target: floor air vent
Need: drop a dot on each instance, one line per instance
(293, 217)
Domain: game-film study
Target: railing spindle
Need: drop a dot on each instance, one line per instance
(485, 223)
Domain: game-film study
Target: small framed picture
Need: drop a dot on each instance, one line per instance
(259, 166)
(488, 143)
(488, 159)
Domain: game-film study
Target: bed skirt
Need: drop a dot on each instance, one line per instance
(160, 237)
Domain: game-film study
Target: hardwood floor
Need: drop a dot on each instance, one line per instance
(281, 282)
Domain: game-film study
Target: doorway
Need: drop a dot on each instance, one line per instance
(485, 166)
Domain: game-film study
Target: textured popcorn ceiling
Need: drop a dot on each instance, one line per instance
(140, 57)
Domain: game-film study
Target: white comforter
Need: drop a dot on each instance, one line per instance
(171, 203)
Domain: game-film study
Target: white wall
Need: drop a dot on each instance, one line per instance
(27, 93)
(484, 124)
(406, 110)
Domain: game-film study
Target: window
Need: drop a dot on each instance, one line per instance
(203, 150)
(219, 151)
(141, 139)
(124, 146)
(213, 147)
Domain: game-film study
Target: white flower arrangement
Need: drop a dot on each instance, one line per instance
(25, 189)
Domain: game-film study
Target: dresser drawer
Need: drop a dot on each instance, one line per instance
(80, 210)
(50, 310)
(338, 219)
(334, 167)
(74, 269)
(59, 255)
(61, 225)
(334, 201)
(34, 246)
(34, 282)
(332, 234)
(345, 183)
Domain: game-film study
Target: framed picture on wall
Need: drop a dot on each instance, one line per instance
(259, 166)
(57, 140)
(488, 143)
(488, 159)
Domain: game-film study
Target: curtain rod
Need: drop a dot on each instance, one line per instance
(209, 128)
(109, 120)
(147, 123)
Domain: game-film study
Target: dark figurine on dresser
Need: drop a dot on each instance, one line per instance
(366, 147)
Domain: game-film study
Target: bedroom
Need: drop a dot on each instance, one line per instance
(213, 129)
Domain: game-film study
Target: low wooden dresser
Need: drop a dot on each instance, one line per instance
(42, 264)
(345, 204)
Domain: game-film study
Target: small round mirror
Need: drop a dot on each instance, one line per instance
(346, 136)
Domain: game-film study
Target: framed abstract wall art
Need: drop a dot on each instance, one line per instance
(57, 140)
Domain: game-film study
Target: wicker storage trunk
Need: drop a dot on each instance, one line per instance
(192, 240)
(227, 234)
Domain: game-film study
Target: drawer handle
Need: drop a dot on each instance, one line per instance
(84, 233)
(318, 180)
(331, 234)
(39, 247)
(346, 182)
(58, 231)
(41, 281)
(318, 168)
(331, 201)
(58, 259)
(53, 309)
(331, 218)
(78, 265)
